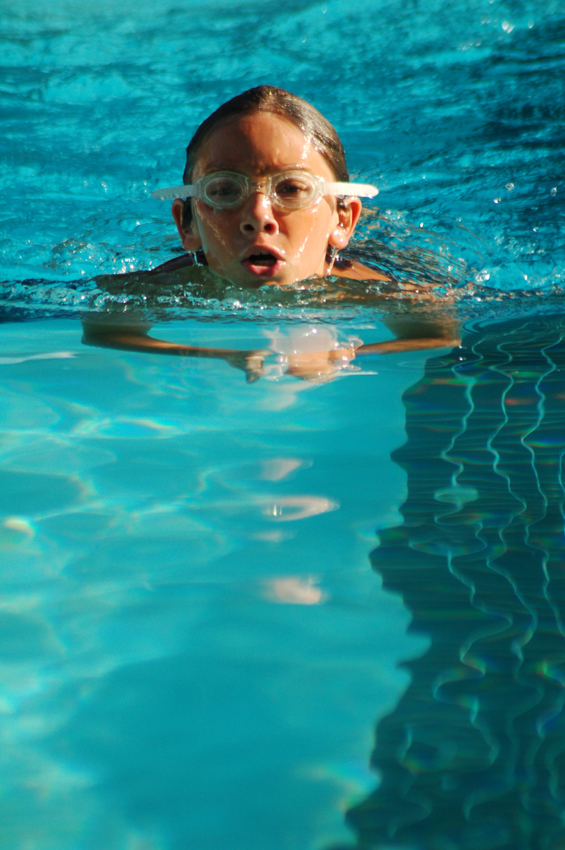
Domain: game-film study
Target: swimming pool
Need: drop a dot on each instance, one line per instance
(199, 631)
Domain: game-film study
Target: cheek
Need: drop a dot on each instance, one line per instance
(215, 232)
(312, 231)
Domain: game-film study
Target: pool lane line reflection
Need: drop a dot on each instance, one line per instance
(473, 756)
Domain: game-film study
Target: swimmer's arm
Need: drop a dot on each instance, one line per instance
(412, 333)
(415, 334)
(134, 337)
(395, 345)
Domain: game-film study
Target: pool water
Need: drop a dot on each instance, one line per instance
(472, 755)
(194, 645)
(214, 590)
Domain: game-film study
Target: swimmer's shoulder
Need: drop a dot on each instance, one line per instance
(355, 270)
(164, 275)
(181, 262)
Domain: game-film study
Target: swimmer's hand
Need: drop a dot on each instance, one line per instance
(318, 365)
(251, 362)
(307, 366)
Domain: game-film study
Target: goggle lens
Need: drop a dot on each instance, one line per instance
(290, 190)
(223, 191)
(294, 191)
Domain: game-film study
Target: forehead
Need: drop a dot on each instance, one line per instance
(258, 144)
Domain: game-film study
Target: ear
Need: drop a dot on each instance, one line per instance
(348, 213)
(189, 236)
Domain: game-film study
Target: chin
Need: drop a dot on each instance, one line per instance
(286, 277)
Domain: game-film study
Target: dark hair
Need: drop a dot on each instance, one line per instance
(280, 102)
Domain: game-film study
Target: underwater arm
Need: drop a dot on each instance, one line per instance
(415, 334)
(393, 345)
(134, 337)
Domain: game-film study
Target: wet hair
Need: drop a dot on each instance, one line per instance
(280, 102)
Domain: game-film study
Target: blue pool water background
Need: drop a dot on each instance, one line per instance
(195, 649)
(154, 684)
(454, 111)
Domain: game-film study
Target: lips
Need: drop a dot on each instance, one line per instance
(262, 261)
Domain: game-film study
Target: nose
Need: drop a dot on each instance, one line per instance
(257, 215)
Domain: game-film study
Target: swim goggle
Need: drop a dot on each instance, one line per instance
(288, 190)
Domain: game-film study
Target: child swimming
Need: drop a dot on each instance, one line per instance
(266, 200)
(266, 196)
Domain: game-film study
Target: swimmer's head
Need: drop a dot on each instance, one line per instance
(261, 142)
(277, 101)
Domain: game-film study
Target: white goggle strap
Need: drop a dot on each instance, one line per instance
(175, 192)
(343, 190)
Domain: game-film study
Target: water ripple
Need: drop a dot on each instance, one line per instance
(472, 757)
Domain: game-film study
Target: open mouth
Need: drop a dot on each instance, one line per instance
(261, 262)
(262, 258)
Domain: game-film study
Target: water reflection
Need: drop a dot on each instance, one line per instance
(473, 756)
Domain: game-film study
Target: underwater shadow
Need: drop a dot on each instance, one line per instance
(473, 756)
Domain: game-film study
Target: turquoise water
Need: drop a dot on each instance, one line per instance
(213, 590)
(194, 646)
